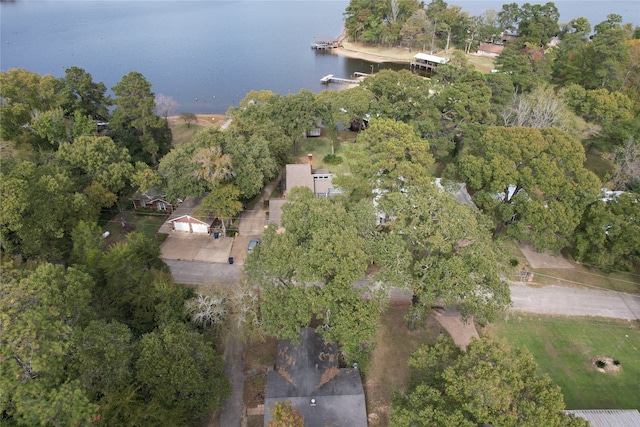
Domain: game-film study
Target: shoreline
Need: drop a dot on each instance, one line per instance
(375, 54)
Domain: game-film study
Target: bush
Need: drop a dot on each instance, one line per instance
(601, 364)
(332, 159)
(514, 262)
(616, 362)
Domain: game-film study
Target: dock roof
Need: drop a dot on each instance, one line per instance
(430, 58)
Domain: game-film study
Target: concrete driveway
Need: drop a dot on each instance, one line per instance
(185, 246)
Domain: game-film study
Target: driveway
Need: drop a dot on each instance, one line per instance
(184, 246)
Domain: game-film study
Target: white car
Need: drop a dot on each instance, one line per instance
(252, 244)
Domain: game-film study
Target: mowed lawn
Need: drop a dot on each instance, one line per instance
(563, 347)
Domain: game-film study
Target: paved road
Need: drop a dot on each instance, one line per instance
(196, 273)
(571, 301)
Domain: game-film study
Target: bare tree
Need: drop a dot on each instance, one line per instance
(233, 307)
(395, 11)
(626, 175)
(164, 105)
(538, 109)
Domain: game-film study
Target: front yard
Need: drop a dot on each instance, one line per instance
(146, 224)
(563, 347)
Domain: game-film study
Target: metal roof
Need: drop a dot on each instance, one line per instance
(430, 58)
(609, 417)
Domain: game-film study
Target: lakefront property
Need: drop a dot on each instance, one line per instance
(393, 253)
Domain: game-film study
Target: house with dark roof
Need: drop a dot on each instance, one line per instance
(153, 199)
(307, 375)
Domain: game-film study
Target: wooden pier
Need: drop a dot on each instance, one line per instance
(330, 78)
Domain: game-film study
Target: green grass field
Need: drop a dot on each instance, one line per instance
(563, 348)
(140, 223)
(181, 133)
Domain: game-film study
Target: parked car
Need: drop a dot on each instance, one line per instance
(252, 244)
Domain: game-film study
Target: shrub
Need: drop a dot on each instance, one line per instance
(601, 364)
(514, 262)
(616, 362)
(332, 159)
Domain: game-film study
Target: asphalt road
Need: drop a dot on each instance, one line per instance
(557, 299)
(572, 301)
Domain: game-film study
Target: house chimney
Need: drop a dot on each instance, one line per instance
(310, 157)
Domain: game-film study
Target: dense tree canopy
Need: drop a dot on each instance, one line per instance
(490, 384)
(446, 252)
(609, 233)
(308, 270)
(531, 181)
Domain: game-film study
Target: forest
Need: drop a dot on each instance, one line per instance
(548, 146)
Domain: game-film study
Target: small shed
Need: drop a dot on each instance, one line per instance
(191, 224)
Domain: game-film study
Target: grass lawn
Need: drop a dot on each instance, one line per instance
(320, 147)
(483, 64)
(563, 347)
(181, 133)
(598, 165)
(388, 371)
(146, 224)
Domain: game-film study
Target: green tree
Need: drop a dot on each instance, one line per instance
(38, 314)
(188, 118)
(609, 233)
(99, 159)
(133, 289)
(80, 94)
(308, 270)
(223, 202)
(103, 353)
(489, 384)
(21, 93)
(145, 135)
(297, 114)
(181, 372)
(446, 252)
(400, 95)
(392, 157)
(531, 181)
(40, 207)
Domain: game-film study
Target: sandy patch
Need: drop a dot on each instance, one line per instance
(201, 120)
(462, 333)
(542, 260)
(374, 53)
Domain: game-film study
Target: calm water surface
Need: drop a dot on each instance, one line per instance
(205, 54)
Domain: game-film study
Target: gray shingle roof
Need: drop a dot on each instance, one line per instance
(310, 370)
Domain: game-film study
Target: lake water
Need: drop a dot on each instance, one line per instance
(205, 54)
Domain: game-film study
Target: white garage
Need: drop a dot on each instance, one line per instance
(191, 225)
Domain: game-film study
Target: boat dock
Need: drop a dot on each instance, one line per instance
(330, 78)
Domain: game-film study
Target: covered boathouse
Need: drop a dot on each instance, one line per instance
(427, 62)
(325, 43)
